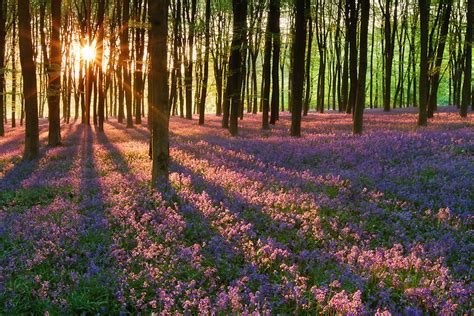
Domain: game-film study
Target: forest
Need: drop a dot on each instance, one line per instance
(236, 157)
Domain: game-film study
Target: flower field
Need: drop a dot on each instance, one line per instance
(323, 224)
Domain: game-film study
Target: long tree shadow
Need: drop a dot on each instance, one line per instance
(318, 256)
(217, 251)
(13, 141)
(99, 266)
(310, 256)
(23, 170)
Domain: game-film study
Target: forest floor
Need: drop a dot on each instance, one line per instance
(325, 223)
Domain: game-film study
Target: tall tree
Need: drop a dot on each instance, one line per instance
(54, 74)
(267, 66)
(275, 102)
(353, 14)
(3, 20)
(28, 70)
(158, 90)
(436, 69)
(100, 55)
(202, 105)
(190, 12)
(423, 85)
(13, 54)
(360, 99)
(390, 30)
(234, 79)
(125, 61)
(466, 89)
(297, 80)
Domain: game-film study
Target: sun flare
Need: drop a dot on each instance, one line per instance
(88, 52)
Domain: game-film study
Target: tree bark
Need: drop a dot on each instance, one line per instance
(423, 85)
(202, 105)
(234, 78)
(433, 97)
(158, 91)
(360, 103)
(54, 73)
(466, 89)
(100, 73)
(297, 80)
(28, 70)
(3, 13)
(275, 102)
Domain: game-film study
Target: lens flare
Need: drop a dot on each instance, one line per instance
(88, 52)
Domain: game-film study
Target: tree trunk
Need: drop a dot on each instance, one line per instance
(466, 89)
(423, 85)
(298, 56)
(275, 103)
(28, 70)
(360, 103)
(14, 75)
(235, 63)
(352, 56)
(125, 63)
(158, 91)
(100, 73)
(54, 72)
(3, 13)
(266, 73)
(202, 105)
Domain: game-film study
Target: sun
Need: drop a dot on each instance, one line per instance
(88, 52)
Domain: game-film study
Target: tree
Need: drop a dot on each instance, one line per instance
(158, 90)
(202, 104)
(125, 62)
(267, 65)
(234, 78)
(466, 89)
(100, 55)
(28, 70)
(189, 12)
(423, 85)
(352, 55)
(275, 102)
(3, 13)
(297, 80)
(54, 74)
(433, 96)
(360, 99)
(389, 35)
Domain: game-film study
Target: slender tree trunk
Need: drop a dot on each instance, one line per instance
(158, 91)
(188, 77)
(307, 97)
(125, 62)
(54, 72)
(423, 85)
(235, 63)
(345, 66)
(100, 73)
(275, 103)
(433, 96)
(353, 56)
(138, 74)
(3, 13)
(14, 75)
(298, 57)
(360, 104)
(202, 106)
(266, 76)
(372, 68)
(28, 70)
(466, 89)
